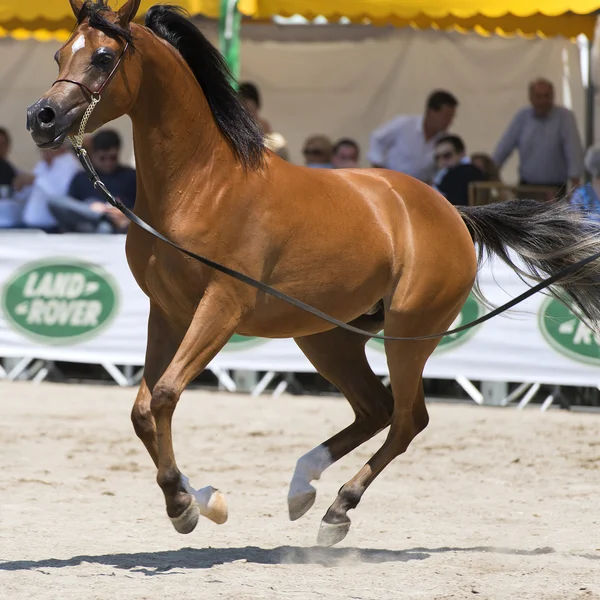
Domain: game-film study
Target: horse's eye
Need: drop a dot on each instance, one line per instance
(102, 59)
(56, 57)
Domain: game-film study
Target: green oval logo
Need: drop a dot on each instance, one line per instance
(60, 301)
(566, 333)
(242, 342)
(470, 311)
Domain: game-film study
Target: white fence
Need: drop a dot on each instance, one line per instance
(73, 298)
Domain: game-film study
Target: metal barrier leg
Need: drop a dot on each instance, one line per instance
(494, 392)
(41, 375)
(19, 368)
(261, 386)
(473, 392)
(547, 403)
(516, 393)
(224, 379)
(556, 395)
(281, 387)
(529, 396)
(114, 372)
(245, 381)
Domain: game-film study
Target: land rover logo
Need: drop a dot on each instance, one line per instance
(60, 301)
(470, 311)
(567, 334)
(242, 342)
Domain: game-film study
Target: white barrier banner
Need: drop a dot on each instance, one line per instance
(73, 298)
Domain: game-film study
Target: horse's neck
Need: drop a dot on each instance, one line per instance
(175, 137)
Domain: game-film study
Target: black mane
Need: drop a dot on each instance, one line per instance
(94, 10)
(212, 73)
(171, 23)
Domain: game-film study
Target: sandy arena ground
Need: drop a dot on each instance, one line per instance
(487, 503)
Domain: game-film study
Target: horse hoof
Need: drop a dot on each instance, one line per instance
(216, 508)
(187, 520)
(332, 533)
(300, 504)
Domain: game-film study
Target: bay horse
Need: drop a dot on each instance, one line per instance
(372, 247)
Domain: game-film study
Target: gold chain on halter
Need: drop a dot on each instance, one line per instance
(77, 140)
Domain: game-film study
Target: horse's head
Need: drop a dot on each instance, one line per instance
(93, 62)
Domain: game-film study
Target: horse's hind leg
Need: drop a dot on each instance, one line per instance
(339, 356)
(406, 361)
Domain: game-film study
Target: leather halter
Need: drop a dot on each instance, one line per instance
(85, 88)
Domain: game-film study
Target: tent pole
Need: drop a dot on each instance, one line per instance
(589, 97)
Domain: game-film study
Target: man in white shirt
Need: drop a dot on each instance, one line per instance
(51, 177)
(407, 143)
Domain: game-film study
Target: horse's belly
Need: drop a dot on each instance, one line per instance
(172, 291)
(345, 301)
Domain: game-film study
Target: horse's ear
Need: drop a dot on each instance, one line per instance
(127, 11)
(76, 5)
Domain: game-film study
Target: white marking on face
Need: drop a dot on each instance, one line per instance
(309, 468)
(78, 44)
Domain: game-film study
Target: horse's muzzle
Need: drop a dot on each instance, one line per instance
(48, 124)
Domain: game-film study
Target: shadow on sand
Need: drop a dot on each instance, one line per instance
(155, 563)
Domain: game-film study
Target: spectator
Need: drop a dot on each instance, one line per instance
(7, 174)
(547, 140)
(587, 198)
(318, 151)
(5, 143)
(85, 210)
(10, 207)
(250, 97)
(487, 166)
(456, 171)
(407, 143)
(346, 154)
(51, 177)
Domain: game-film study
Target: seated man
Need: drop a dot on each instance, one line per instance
(455, 170)
(10, 208)
(7, 173)
(51, 177)
(85, 210)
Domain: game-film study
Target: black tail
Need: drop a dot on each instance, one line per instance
(547, 236)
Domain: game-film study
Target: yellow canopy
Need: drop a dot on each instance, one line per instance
(53, 19)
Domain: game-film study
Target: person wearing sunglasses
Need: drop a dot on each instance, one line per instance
(84, 209)
(318, 151)
(455, 170)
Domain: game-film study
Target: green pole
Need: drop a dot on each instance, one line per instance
(230, 22)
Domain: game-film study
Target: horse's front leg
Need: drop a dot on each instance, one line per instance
(214, 322)
(161, 346)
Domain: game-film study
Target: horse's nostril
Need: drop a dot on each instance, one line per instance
(46, 115)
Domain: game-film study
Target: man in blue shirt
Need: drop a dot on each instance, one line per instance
(86, 210)
(547, 139)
